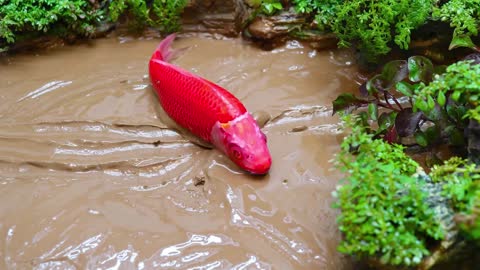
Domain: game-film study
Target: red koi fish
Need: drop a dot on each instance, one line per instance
(208, 111)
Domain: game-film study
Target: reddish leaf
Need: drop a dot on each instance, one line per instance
(407, 122)
(391, 136)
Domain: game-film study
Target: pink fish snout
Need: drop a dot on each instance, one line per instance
(258, 163)
(244, 143)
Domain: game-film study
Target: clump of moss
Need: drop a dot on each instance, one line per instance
(460, 84)
(20, 17)
(268, 7)
(463, 16)
(165, 15)
(385, 209)
(389, 213)
(376, 26)
(372, 25)
(462, 188)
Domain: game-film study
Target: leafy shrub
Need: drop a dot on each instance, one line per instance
(374, 26)
(267, 7)
(464, 17)
(166, 13)
(384, 209)
(135, 8)
(370, 24)
(417, 99)
(462, 187)
(430, 103)
(460, 84)
(24, 16)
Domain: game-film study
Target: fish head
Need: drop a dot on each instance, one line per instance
(244, 143)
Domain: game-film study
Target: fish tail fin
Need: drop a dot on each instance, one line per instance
(164, 51)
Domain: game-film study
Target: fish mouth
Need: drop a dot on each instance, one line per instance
(259, 170)
(257, 174)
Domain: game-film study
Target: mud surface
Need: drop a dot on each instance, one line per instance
(90, 178)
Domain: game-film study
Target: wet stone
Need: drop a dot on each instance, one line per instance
(223, 17)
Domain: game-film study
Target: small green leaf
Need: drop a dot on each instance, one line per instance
(420, 69)
(430, 103)
(461, 40)
(435, 113)
(386, 120)
(373, 111)
(254, 3)
(441, 99)
(277, 5)
(456, 95)
(375, 85)
(421, 104)
(404, 88)
(421, 139)
(393, 72)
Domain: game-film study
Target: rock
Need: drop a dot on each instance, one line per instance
(474, 141)
(286, 25)
(225, 17)
(272, 27)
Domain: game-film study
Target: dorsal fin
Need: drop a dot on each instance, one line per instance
(164, 50)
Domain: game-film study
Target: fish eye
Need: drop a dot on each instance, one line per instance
(236, 154)
(235, 150)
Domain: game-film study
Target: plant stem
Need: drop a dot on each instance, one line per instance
(395, 100)
(388, 106)
(385, 96)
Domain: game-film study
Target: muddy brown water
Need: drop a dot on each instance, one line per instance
(91, 179)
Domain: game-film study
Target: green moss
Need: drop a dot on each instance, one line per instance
(372, 25)
(462, 187)
(462, 15)
(460, 83)
(19, 17)
(168, 14)
(385, 213)
(165, 15)
(28, 18)
(376, 26)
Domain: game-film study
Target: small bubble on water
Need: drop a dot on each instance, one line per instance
(93, 212)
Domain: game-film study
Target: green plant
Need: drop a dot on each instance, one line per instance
(462, 186)
(384, 209)
(372, 25)
(268, 7)
(464, 17)
(469, 221)
(457, 91)
(20, 17)
(387, 97)
(135, 8)
(414, 98)
(166, 13)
